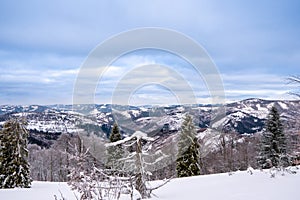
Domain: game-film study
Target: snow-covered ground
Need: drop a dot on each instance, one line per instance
(238, 186)
(38, 191)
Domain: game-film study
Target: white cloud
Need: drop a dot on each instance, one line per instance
(43, 45)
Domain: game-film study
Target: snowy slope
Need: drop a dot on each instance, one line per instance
(239, 186)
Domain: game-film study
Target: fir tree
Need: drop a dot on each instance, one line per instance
(115, 134)
(114, 153)
(273, 152)
(188, 157)
(14, 167)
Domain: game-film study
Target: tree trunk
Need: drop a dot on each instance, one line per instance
(140, 181)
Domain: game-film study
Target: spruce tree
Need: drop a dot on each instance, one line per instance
(273, 152)
(14, 166)
(188, 158)
(114, 153)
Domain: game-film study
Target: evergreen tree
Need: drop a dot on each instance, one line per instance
(114, 153)
(14, 167)
(273, 152)
(115, 134)
(188, 157)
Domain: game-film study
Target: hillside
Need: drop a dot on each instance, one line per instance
(46, 123)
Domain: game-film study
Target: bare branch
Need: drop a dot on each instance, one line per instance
(294, 79)
(161, 185)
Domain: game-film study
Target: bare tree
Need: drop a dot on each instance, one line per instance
(96, 183)
(296, 80)
(294, 136)
(139, 161)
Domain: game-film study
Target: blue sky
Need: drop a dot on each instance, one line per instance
(254, 44)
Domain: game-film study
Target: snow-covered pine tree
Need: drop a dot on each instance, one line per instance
(14, 166)
(114, 153)
(273, 151)
(187, 163)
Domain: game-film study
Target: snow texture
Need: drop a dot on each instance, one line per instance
(240, 185)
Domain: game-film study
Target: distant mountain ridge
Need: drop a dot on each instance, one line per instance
(46, 123)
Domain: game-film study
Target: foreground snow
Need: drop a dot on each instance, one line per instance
(38, 191)
(238, 186)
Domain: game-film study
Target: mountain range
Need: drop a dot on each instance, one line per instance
(46, 123)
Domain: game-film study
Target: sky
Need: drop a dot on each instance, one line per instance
(254, 45)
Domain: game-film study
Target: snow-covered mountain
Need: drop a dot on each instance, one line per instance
(46, 123)
(248, 116)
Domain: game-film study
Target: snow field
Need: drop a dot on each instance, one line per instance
(38, 191)
(238, 186)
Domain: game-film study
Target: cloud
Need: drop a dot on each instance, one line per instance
(43, 44)
(249, 85)
(166, 74)
(244, 83)
(36, 78)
